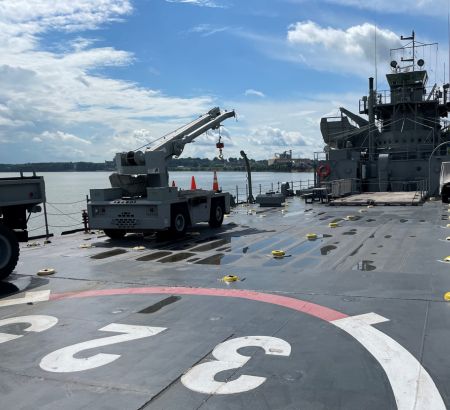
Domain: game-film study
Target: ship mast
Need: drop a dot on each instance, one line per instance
(413, 57)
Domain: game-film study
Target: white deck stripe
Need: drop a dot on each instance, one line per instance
(30, 297)
(412, 385)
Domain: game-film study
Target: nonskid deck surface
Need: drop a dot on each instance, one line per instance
(355, 319)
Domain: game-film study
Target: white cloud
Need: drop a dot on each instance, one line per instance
(252, 92)
(201, 3)
(56, 96)
(206, 30)
(351, 50)
(61, 136)
(436, 8)
(267, 126)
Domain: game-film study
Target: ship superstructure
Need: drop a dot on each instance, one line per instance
(401, 143)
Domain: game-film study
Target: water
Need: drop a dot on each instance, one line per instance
(66, 191)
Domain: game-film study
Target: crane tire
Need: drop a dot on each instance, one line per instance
(216, 215)
(9, 251)
(179, 221)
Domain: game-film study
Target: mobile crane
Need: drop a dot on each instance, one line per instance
(140, 198)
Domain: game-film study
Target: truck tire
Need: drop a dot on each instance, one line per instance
(216, 215)
(115, 234)
(178, 222)
(9, 251)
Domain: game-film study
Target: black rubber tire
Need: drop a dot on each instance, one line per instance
(444, 198)
(216, 215)
(178, 222)
(9, 251)
(115, 234)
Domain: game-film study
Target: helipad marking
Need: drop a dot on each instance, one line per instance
(201, 378)
(30, 297)
(309, 308)
(412, 386)
(37, 323)
(63, 360)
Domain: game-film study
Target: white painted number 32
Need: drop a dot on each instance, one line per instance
(201, 378)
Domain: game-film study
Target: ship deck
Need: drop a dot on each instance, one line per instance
(380, 198)
(354, 319)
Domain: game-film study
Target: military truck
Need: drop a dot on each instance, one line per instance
(18, 196)
(140, 198)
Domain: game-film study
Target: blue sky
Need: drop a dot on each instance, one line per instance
(82, 79)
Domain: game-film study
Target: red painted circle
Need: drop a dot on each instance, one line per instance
(299, 305)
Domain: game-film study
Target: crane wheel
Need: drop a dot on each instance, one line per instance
(178, 221)
(115, 234)
(9, 251)
(217, 213)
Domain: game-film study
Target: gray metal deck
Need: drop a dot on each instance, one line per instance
(355, 319)
(381, 198)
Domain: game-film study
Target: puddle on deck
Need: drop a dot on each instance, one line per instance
(364, 265)
(211, 245)
(218, 259)
(177, 257)
(325, 250)
(154, 256)
(108, 254)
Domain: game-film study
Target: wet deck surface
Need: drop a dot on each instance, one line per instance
(354, 319)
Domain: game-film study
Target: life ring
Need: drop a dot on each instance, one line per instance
(324, 170)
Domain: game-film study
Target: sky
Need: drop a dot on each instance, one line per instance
(83, 79)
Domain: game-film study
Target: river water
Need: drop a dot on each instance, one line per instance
(66, 191)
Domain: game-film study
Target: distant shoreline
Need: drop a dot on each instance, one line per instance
(174, 165)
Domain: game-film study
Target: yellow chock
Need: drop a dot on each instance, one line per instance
(447, 238)
(447, 259)
(362, 211)
(369, 206)
(278, 253)
(46, 272)
(230, 278)
(350, 217)
(333, 224)
(311, 236)
(447, 296)
(448, 225)
(86, 246)
(139, 248)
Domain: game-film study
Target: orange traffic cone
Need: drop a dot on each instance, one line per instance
(215, 183)
(193, 184)
(173, 183)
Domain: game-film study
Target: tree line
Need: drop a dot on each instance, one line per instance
(175, 164)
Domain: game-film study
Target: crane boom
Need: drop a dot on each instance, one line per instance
(150, 167)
